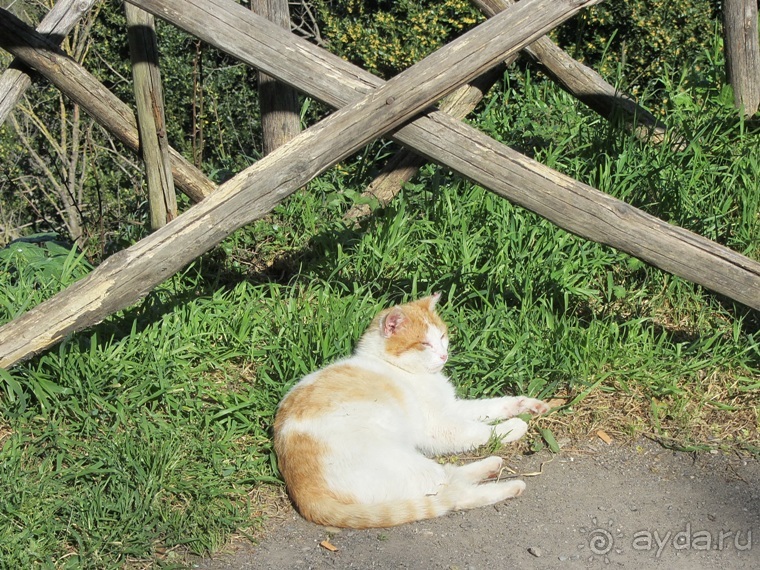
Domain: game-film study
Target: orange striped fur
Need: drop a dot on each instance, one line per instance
(355, 440)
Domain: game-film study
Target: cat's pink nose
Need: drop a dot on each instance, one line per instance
(444, 357)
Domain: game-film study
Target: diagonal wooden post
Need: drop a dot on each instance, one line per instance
(405, 164)
(587, 85)
(580, 81)
(128, 275)
(39, 53)
(55, 25)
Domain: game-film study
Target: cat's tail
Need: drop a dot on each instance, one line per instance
(330, 510)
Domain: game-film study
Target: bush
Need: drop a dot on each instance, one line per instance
(385, 37)
(645, 38)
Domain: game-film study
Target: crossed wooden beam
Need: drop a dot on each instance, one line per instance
(368, 109)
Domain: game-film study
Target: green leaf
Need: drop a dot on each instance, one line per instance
(14, 387)
(548, 436)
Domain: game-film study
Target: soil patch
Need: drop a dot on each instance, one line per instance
(631, 506)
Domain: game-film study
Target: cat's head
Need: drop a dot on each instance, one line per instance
(411, 336)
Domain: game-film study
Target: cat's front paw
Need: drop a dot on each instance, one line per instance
(511, 430)
(531, 405)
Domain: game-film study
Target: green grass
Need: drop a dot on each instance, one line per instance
(142, 438)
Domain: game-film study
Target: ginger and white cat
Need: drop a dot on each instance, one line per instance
(354, 440)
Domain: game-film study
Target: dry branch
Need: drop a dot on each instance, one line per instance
(61, 194)
(572, 205)
(130, 274)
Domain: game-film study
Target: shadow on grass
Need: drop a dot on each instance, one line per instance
(320, 258)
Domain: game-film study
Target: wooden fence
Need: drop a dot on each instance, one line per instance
(368, 108)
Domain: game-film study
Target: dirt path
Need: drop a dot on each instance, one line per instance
(638, 506)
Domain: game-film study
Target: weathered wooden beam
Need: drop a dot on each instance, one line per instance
(585, 211)
(572, 205)
(78, 84)
(742, 49)
(128, 275)
(55, 26)
(151, 121)
(280, 110)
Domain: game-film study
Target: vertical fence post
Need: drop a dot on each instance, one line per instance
(280, 110)
(151, 122)
(742, 53)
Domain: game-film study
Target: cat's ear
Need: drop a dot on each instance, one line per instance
(433, 300)
(393, 322)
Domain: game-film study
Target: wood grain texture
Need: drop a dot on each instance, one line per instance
(130, 274)
(151, 121)
(742, 48)
(278, 102)
(587, 212)
(225, 25)
(405, 164)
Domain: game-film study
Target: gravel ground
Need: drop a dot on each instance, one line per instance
(634, 506)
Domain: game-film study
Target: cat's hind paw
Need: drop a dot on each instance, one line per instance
(508, 489)
(478, 471)
(516, 487)
(511, 430)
